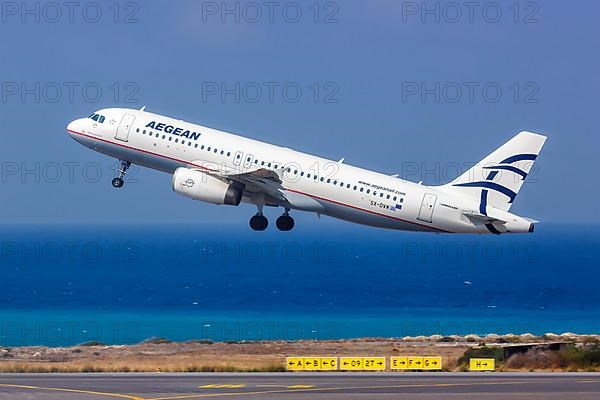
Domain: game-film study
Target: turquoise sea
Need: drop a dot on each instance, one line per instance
(63, 285)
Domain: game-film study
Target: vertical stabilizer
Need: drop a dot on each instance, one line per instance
(496, 180)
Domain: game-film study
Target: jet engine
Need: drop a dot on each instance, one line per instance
(198, 185)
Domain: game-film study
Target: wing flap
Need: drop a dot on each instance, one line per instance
(259, 180)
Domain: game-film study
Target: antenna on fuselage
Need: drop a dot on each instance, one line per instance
(341, 161)
(143, 108)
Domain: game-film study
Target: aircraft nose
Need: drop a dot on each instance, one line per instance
(74, 127)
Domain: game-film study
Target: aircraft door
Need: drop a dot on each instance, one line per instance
(427, 206)
(125, 127)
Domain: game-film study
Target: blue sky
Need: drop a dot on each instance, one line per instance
(356, 63)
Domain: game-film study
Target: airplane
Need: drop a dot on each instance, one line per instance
(226, 169)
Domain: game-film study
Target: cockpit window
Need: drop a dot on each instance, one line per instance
(97, 117)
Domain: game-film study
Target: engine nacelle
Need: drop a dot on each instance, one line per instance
(200, 186)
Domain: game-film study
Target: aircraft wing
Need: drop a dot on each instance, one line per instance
(268, 183)
(260, 180)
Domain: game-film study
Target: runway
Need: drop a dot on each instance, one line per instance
(321, 386)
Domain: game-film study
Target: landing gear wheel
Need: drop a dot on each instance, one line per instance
(259, 222)
(118, 182)
(285, 223)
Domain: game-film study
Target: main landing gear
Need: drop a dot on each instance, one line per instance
(259, 222)
(118, 182)
(284, 223)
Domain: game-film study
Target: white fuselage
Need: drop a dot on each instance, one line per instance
(312, 183)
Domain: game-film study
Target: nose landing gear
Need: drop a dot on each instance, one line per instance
(118, 182)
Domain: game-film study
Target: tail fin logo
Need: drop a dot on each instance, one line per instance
(504, 165)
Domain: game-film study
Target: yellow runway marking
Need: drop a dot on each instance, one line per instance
(222, 386)
(105, 394)
(288, 387)
(329, 389)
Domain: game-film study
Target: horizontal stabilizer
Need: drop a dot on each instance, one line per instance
(483, 219)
